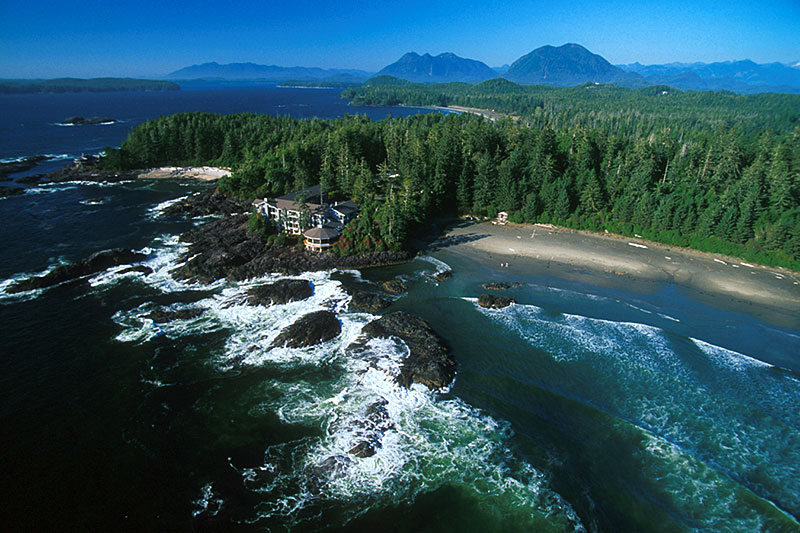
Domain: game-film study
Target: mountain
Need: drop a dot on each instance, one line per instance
(252, 71)
(443, 68)
(567, 65)
(501, 69)
(740, 76)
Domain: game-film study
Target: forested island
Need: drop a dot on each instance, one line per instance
(78, 85)
(716, 172)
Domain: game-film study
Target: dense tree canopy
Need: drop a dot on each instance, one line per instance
(725, 178)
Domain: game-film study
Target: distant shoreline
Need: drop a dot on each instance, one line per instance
(772, 294)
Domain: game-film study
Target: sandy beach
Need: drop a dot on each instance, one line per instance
(631, 264)
(199, 173)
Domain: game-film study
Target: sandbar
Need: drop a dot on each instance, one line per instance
(772, 294)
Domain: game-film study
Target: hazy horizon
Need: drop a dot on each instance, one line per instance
(149, 39)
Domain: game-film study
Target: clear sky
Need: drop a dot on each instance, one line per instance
(153, 38)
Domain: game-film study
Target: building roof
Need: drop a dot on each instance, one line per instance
(345, 208)
(325, 233)
(311, 195)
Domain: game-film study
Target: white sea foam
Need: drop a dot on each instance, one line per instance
(158, 210)
(741, 415)
(438, 264)
(420, 442)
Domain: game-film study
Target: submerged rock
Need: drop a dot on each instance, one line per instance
(91, 265)
(318, 476)
(394, 286)
(429, 361)
(368, 302)
(490, 301)
(308, 330)
(280, 292)
(166, 315)
(501, 286)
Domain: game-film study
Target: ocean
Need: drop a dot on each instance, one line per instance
(578, 408)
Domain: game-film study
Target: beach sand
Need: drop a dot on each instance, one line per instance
(199, 173)
(631, 264)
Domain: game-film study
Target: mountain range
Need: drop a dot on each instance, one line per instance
(438, 69)
(251, 71)
(567, 65)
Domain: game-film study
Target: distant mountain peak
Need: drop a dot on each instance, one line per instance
(565, 65)
(444, 67)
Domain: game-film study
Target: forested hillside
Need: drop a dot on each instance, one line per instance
(724, 179)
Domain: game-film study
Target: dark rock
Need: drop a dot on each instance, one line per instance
(501, 286)
(91, 265)
(166, 315)
(363, 448)
(368, 302)
(12, 167)
(490, 301)
(81, 121)
(394, 286)
(80, 172)
(308, 330)
(371, 429)
(207, 202)
(444, 275)
(10, 191)
(429, 361)
(280, 292)
(224, 248)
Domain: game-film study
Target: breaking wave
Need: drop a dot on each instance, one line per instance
(377, 444)
(721, 414)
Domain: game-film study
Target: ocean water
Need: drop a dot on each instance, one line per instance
(579, 408)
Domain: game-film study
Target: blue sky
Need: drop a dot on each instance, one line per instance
(152, 38)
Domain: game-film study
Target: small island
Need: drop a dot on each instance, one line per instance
(91, 121)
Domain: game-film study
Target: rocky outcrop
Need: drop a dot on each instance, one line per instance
(429, 361)
(12, 167)
(280, 292)
(370, 430)
(207, 202)
(367, 302)
(224, 248)
(162, 315)
(501, 286)
(91, 265)
(308, 330)
(490, 301)
(80, 173)
(394, 286)
(91, 121)
(10, 191)
(444, 275)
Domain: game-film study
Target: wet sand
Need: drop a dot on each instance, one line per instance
(631, 264)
